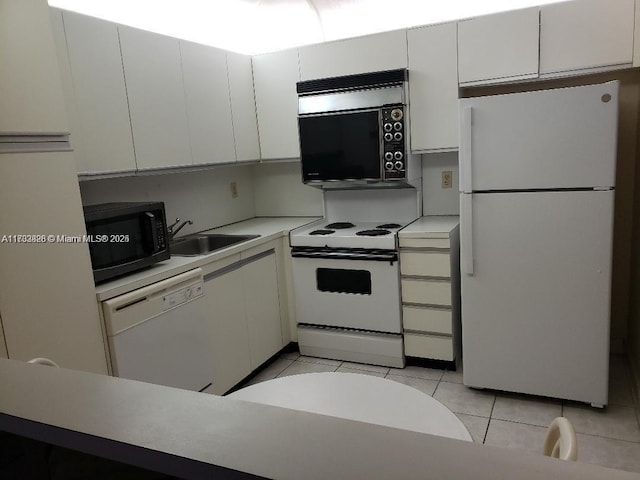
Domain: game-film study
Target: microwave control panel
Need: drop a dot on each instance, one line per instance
(393, 142)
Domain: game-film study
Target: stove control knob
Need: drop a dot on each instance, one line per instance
(388, 166)
(397, 136)
(397, 126)
(399, 165)
(398, 155)
(388, 127)
(388, 156)
(396, 114)
(388, 137)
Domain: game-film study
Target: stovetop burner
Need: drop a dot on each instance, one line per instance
(322, 231)
(340, 225)
(389, 225)
(376, 232)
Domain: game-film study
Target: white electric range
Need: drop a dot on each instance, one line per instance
(347, 278)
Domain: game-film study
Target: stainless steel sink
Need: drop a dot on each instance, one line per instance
(201, 243)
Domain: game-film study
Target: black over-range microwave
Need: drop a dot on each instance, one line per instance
(125, 237)
(354, 128)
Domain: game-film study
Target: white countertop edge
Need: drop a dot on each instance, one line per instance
(269, 229)
(431, 226)
(184, 428)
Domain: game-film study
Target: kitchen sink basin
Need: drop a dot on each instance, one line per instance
(201, 243)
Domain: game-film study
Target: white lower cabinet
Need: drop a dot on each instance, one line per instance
(429, 266)
(242, 301)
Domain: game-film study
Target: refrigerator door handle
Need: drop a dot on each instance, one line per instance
(466, 233)
(465, 149)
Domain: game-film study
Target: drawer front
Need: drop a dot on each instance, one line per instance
(432, 292)
(427, 346)
(424, 242)
(432, 264)
(424, 319)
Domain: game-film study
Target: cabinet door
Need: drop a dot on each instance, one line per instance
(224, 301)
(433, 95)
(206, 88)
(372, 53)
(101, 129)
(497, 47)
(31, 91)
(260, 279)
(586, 34)
(156, 98)
(275, 76)
(243, 107)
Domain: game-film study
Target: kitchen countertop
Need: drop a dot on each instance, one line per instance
(195, 435)
(432, 226)
(269, 229)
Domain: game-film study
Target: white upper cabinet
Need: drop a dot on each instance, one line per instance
(275, 76)
(586, 34)
(153, 73)
(243, 107)
(499, 47)
(433, 82)
(206, 89)
(372, 53)
(96, 96)
(30, 84)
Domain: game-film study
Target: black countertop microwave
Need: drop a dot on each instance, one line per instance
(125, 237)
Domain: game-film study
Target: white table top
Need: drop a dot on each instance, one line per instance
(363, 398)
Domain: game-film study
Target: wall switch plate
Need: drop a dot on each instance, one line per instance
(234, 190)
(447, 179)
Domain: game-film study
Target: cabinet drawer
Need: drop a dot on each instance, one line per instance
(424, 319)
(424, 242)
(428, 346)
(431, 264)
(433, 292)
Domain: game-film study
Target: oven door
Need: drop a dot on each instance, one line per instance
(341, 146)
(360, 291)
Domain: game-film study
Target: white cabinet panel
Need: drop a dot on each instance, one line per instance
(31, 91)
(432, 264)
(431, 292)
(263, 309)
(157, 105)
(243, 107)
(101, 129)
(206, 90)
(275, 76)
(427, 319)
(439, 348)
(224, 297)
(433, 81)
(371, 53)
(496, 47)
(586, 34)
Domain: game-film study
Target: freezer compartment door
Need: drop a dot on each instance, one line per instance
(535, 308)
(562, 138)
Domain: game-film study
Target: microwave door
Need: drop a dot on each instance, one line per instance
(341, 146)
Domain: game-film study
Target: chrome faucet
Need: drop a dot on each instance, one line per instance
(172, 232)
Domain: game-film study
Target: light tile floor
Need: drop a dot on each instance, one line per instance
(608, 437)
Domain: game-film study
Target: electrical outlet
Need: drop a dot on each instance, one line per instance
(447, 179)
(234, 190)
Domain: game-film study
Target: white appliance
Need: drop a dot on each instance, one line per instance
(347, 277)
(537, 173)
(160, 334)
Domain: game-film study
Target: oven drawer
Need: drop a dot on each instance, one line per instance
(433, 292)
(433, 264)
(428, 346)
(424, 242)
(427, 319)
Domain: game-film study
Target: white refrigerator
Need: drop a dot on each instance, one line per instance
(537, 174)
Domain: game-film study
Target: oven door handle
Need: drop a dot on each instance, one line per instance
(374, 256)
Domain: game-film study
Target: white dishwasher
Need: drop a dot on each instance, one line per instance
(159, 333)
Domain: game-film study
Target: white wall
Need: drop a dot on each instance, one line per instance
(435, 199)
(279, 191)
(202, 196)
